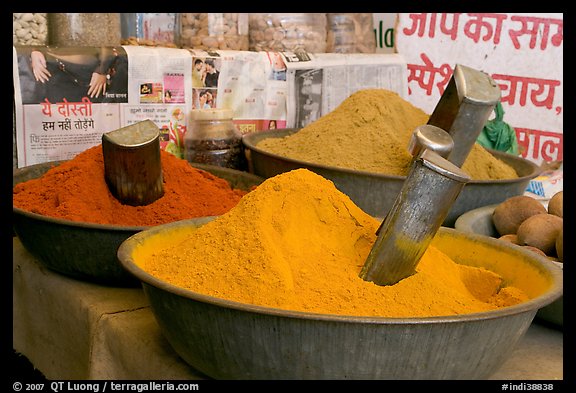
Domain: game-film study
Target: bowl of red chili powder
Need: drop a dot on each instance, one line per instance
(65, 215)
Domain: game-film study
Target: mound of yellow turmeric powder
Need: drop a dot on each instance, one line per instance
(297, 243)
(370, 131)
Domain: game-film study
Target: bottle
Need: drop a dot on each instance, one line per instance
(29, 29)
(149, 29)
(214, 31)
(350, 33)
(212, 138)
(84, 29)
(292, 32)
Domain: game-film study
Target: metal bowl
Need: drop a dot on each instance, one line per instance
(479, 221)
(229, 340)
(375, 193)
(87, 251)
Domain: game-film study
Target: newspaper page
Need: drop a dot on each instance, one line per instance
(318, 83)
(65, 98)
(160, 90)
(59, 111)
(253, 84)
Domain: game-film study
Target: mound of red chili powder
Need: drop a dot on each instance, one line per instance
(76, 190)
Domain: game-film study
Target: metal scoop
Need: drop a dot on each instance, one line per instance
(132, 166)
(464, 108)
(435, 178)
(430, 189)
(432, 138)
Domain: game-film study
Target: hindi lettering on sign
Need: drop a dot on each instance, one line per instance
(537, 27)
(544, 145)
(552, 146)
(419, 24)
(425, 75)
(452, 31)
(477, 22)
(488, 27)
(522, 52)
(523, 138)
(543, 88)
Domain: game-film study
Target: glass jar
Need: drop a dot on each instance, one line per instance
(212, 138)
(149, 29)
(350, 33)
(29, 29)
(215, 31)
(288, 32)
(84, 29)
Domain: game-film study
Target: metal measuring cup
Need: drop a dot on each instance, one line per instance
(464, 109)
(132, 166)
(432, 138)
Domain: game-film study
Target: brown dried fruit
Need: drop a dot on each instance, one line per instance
(511, 237)
(555, 205)
(508, 215)
(540, 231)
(560, 245)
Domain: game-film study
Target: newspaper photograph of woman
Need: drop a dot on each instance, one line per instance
(73, 74)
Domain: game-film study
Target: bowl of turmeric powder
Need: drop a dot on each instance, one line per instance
(362, 146)
(271, 290)
(64, 214)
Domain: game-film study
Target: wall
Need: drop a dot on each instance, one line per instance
(522, 52)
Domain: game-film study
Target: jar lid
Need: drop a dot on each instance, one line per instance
(211, 114)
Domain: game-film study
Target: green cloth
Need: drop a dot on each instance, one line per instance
(499, 135)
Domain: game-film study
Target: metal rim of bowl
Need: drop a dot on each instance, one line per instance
(465, 217)
(531, 305)
(106, 227)
(248, 141)
(78, 224)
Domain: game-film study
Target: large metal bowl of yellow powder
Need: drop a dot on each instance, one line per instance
(376, 192)
(277, 293)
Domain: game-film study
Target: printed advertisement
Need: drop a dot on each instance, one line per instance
(65, 99)
(318, 83)
(161, 87)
